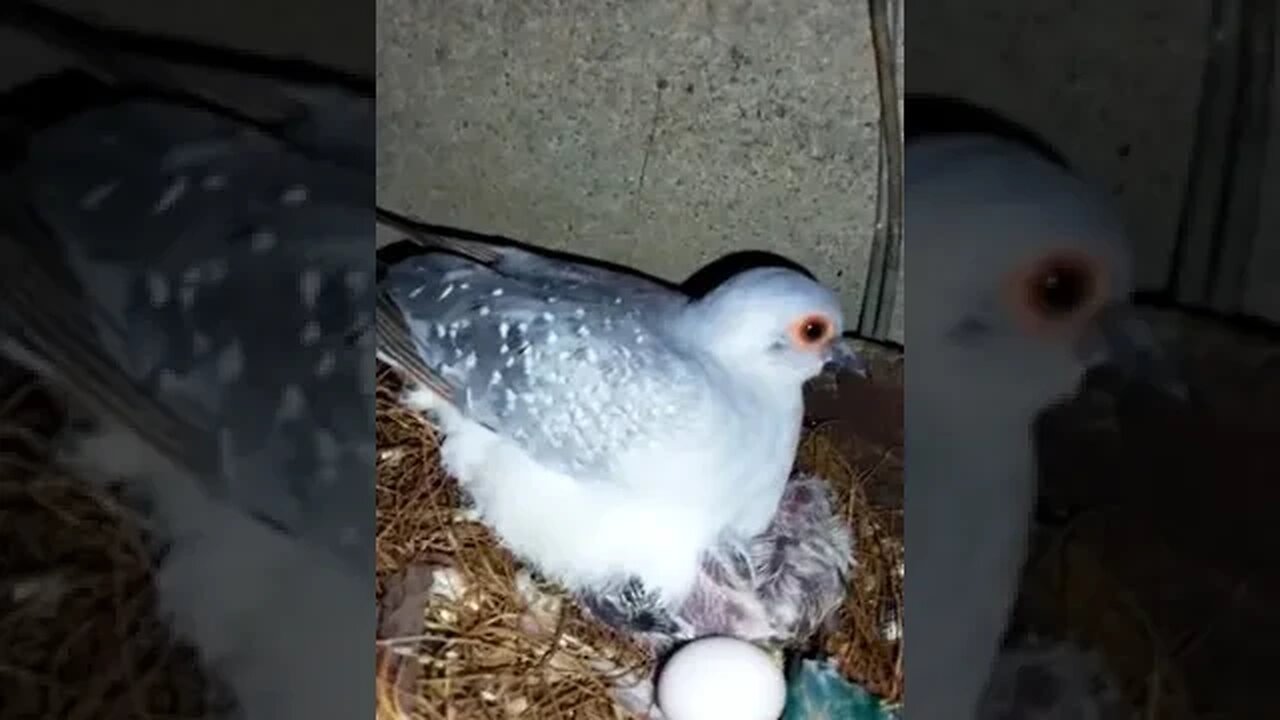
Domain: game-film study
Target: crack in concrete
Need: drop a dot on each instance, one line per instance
(649, 142)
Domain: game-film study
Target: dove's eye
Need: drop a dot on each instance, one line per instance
(811, 330)
(1057, 288)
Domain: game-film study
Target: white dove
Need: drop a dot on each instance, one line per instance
(608, 427)
(1020, 281)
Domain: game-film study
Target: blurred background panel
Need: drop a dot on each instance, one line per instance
(1114, 86)
(77, 599)
(337, 36)
(1156, 530)
(1166, 104)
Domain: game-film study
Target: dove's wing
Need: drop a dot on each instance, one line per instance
(539, 270)
(224, 273)
(187, 259)
(46, 326)
(574, 374)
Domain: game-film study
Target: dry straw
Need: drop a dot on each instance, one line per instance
(80, 637)
(79, 634)
(472, 647)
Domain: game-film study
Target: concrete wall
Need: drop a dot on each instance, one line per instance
(1116, 85)
(658, 134)
(773, 148)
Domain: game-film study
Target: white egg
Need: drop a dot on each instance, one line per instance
(717, 678)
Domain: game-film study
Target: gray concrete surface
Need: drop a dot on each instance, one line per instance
(658, 134)
(1113, 84)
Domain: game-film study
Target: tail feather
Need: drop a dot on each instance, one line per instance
(396, 347)
(435, 237)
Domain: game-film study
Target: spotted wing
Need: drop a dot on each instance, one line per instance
(44, 325)
(538, 269)
(397, 347)
(231, 277)
(576, 376)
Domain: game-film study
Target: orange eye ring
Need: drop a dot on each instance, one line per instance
(1058, 290)
(811, 331)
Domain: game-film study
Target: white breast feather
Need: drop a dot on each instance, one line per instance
(668, 503)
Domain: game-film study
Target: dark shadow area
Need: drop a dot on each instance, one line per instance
(261, 91)
(418, 236)
(1166, 513)
(1246, 325)
(936, 115)
(1154, 534)
(86, 38)
(698, 284)
(717, 271)
(44, 101)
(85, 628)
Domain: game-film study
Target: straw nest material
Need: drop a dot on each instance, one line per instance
(1163, 565)
(1157, 549)
(79, 634)
(459, 638)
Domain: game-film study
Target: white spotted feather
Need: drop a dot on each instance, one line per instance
(608, 427)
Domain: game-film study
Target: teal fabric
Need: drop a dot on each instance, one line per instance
(817, 691)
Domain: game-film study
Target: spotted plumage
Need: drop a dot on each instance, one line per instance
(193, 269)
(609, 426)
(226, 278)
(562, 369)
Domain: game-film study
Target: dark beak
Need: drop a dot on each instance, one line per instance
(1124, 341)
(841, 357)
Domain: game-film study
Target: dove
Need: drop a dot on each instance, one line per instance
(1021, 279)
(200, 287)
(609, 427)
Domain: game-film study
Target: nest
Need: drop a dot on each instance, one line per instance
(1157, 550)
(470, 645)
(1168, 575)
(80, 635)
(79, 632)
(466, 632)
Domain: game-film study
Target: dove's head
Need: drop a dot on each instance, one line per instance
(1020, 275)
(774, 323)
